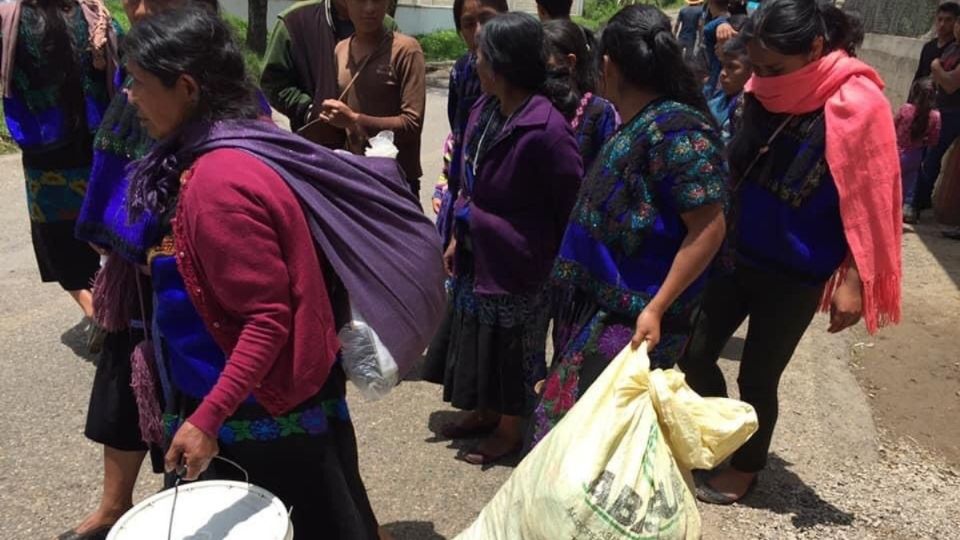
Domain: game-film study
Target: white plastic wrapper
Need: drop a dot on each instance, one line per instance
(382, 146)
(366, 361)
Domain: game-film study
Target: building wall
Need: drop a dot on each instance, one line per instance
(417, 17)
(896, 59)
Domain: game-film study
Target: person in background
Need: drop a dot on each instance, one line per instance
(521, 172)
(299, 67)
(947, 15)
(58, 62)
(816, 223)
(462, 92)
(734, 75)
(719, 13)
(918, 128)
(687, 26)
(382, 85)
(647, 221)
(945, 73)
(573, 72)
(549, 10)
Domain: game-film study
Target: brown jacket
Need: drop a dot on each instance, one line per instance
(389, 94)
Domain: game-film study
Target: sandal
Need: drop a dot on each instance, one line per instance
(99, 533)
(481, 458)
(706, 493)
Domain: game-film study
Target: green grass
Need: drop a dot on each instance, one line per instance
(596, 13)
(442, 45)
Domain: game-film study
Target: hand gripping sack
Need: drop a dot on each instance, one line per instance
(618, 465)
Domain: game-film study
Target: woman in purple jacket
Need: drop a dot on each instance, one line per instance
(521, 169)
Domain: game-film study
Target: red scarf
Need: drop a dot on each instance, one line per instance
(862, 156)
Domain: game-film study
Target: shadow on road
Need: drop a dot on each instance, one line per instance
(944, 250)
(76, 340)
(413, 530)
(780, 490)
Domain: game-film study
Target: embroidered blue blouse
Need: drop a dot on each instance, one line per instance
(626, 227)
(789, 209)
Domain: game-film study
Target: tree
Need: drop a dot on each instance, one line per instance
(257, 25)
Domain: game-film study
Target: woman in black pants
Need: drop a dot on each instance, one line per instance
(815, 215)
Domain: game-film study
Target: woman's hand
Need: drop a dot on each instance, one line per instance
(437, 203)
(846, 308)
(192, 446)
(648, 328)
(338, 114)
(448, 257)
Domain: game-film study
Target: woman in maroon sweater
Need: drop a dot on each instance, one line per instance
(242, 304)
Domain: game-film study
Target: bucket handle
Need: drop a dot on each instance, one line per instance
(182, 470)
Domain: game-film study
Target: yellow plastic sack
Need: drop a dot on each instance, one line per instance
(618, 465)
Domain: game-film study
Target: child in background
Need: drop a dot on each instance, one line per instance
(464, 90)
(918, 127)
(734, 74)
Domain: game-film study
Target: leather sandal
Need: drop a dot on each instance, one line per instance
(99, 533)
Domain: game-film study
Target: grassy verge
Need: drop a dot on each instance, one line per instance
(442, 45)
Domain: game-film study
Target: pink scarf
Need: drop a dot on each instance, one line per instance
(862, 156)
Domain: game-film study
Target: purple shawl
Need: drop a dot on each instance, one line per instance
(361, 212)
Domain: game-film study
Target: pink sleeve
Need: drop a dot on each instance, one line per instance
(933, 132)
(234, 233)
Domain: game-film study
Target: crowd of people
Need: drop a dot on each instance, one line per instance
(648, 183)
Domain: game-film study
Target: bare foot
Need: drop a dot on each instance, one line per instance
(99, 519)
(471, 424)
(504, 441)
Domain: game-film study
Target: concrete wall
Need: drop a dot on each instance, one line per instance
(896, 59)
(417, 17)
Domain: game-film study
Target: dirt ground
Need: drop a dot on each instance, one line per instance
(911, 372)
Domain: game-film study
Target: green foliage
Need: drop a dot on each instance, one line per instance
(442, 45)
(253, 60)
(597, 12)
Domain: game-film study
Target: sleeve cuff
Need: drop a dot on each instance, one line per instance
(208, 419)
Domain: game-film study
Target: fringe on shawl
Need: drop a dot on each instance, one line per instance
(143, 382)
(114, 291)
(881, 306)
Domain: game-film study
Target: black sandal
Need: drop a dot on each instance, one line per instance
(96, 534)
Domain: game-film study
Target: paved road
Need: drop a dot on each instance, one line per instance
(828, 479)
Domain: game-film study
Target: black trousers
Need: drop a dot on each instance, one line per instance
(780, 310)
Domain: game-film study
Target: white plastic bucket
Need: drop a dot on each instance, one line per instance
(208, 510)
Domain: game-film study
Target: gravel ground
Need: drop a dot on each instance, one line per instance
(831, 475)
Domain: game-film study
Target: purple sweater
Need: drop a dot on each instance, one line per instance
(521, 199)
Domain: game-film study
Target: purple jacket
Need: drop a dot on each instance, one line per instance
(521, 197)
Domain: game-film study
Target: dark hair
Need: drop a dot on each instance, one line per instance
(738, 7)
(196, 42)
(500, 5)
(512, 43)
(952, 8)
(56, 61)
(923, 96)
(791, 26)
(736, 47)
(556, 9)
(639, 41)
(563, 37)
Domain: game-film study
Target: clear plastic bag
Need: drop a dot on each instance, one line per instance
(366, 361)
(382, 146)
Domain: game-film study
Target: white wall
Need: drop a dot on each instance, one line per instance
(416, 20)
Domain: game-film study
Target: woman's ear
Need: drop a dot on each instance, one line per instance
(189, 90)
(816, 52)
(572, 62)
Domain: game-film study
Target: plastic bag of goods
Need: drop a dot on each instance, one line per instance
(366, 361)
(618, 465)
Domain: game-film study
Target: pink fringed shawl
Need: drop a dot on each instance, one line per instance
(862, 156)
